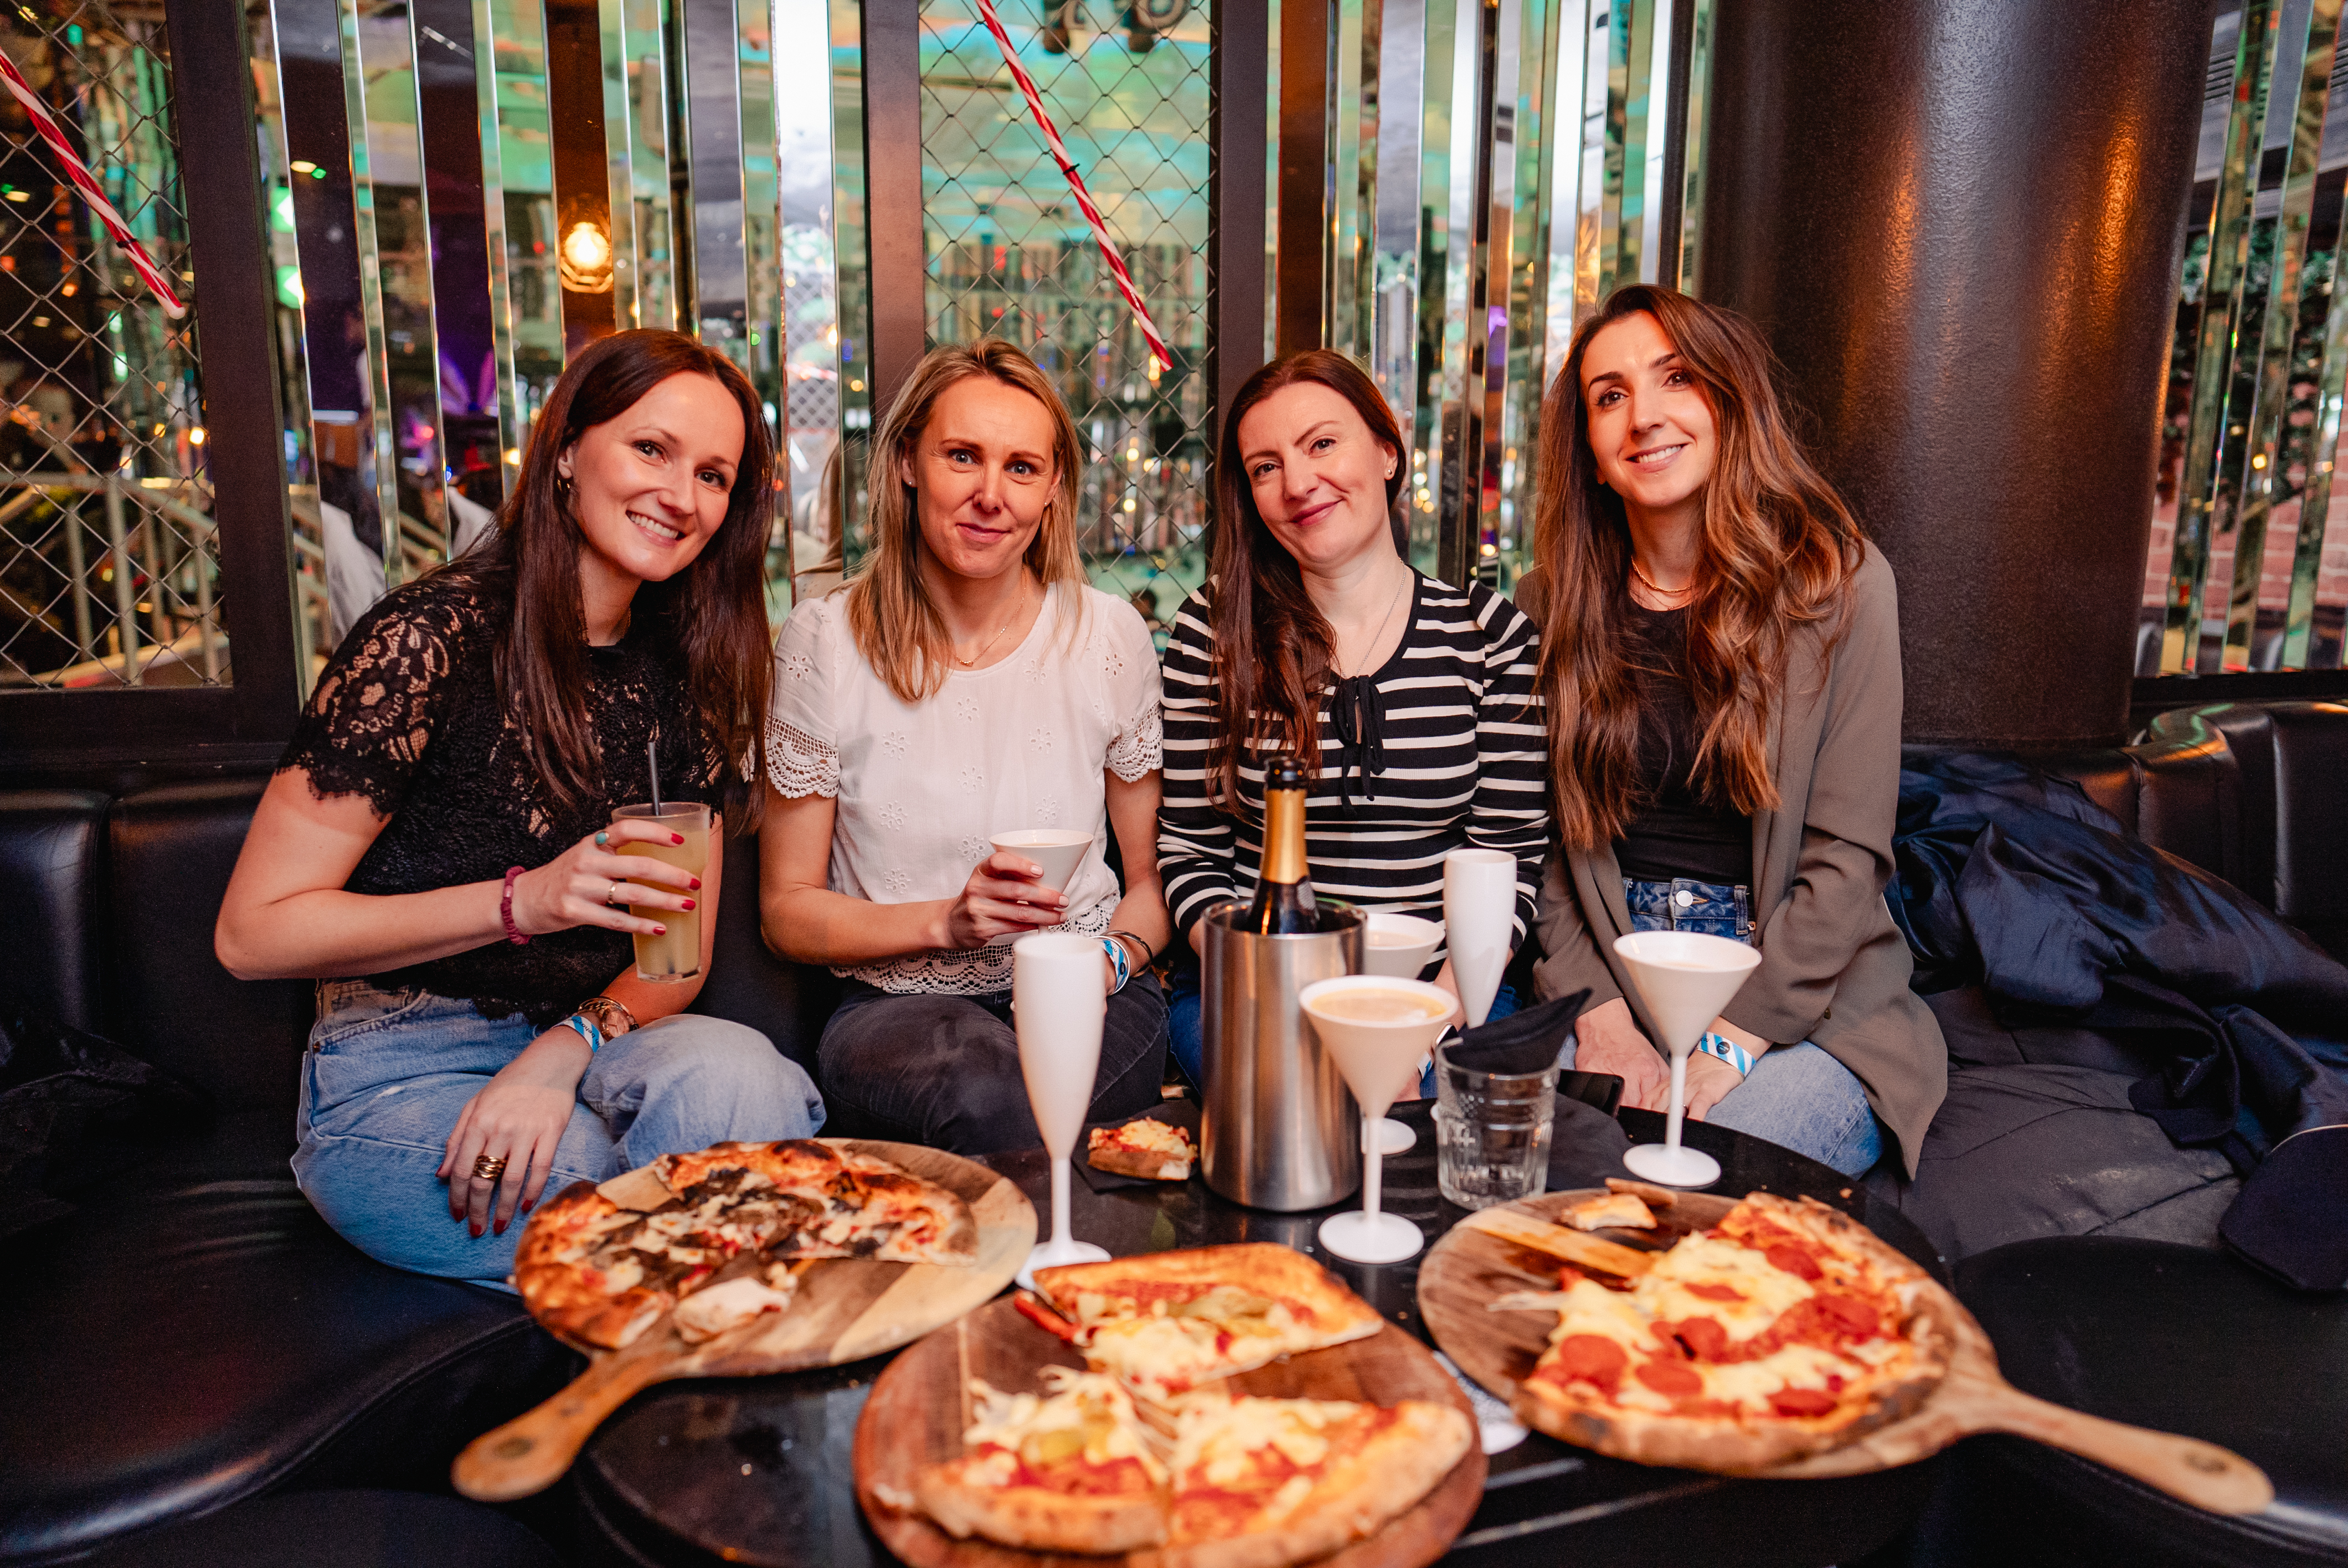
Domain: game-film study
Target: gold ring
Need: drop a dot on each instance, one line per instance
(612, 898)
(487, 1170)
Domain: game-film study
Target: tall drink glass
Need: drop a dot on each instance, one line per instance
(676, 954)
(1058, 1002)
(1480, 906)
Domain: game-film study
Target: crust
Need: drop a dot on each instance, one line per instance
(1582, 1417)
(1036, 1518)
(1149, 1164)
(1267, 1268)
(1357, 1495)
(911, 1200)
(556, 1292)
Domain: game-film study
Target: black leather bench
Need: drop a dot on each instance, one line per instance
(2037, 1137)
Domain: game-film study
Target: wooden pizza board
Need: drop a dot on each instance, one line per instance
(920, 1408)
(1468, 1268)
(845, 1309)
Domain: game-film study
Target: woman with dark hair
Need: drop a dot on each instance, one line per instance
(437, 848)
(1722, 672)
(1408, 702)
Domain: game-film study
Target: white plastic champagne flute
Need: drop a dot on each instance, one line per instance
(1058, 1000)
(1479, 904)
(1374, 1026)
(1686, 979)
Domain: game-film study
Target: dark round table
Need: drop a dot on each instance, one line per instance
(757, 1471)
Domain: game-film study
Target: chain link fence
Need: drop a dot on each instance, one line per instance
(108, 558)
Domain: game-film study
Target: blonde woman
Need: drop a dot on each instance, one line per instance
(965, 682)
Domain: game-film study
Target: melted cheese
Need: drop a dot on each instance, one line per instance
(1768, 1290)
(709, 1313)
(1150, 1135)
(1087, 1405)
(1749, 1384)
(1172, 1347)
(1588, 1307)
(1215, 1440)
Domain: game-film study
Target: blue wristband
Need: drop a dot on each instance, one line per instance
(1728, 1051)
(1116, 962)
(584, 1027)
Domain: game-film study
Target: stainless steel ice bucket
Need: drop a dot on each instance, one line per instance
(1281, 1130)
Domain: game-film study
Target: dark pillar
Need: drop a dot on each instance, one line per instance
(1959, 224)
(1307, 45)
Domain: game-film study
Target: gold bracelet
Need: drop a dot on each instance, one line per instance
(600, 1010)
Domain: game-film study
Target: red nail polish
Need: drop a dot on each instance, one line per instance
(499, 1228)
(660, 930)
(476, 1232)
(688, 904)
(696, 884)
(677, 838)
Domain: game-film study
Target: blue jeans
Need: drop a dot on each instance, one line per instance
(1796, 1096)
(387, 1073)
(1185, 1021)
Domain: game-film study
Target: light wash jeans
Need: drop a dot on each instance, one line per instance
(387, 1073)
(1796, 1096)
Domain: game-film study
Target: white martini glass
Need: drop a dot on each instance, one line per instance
(1058, 998)
(1399, 946)
(1374, 1052)
(1686, 979)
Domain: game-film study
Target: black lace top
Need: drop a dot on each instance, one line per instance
(408, 715)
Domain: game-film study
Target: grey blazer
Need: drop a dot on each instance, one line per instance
(1834, 966)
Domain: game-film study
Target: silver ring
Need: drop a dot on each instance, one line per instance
(612, 899)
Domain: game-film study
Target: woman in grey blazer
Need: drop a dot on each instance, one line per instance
(1720, 659)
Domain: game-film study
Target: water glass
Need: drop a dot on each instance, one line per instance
(1491, 1133)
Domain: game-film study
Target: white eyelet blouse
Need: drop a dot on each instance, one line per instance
(1021, 744)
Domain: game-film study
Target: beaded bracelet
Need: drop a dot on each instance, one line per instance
(505, 908)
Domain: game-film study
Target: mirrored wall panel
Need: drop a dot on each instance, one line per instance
(108, 561)
(2248, 566)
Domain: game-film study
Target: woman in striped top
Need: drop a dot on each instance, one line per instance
(1410, 700)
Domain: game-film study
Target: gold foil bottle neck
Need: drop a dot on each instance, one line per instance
(1283, 824)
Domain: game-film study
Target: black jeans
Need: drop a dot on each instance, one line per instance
(943, 1070)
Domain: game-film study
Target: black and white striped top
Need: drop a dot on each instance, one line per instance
(1466, 765)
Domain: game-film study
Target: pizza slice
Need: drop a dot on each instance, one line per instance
(1147, 1148)
(1071, 1469)
(1786, 1329)
(1263, 1482)
(581, 1274)
(727, 1303)
(862, 1206)
(1165, 1323)
(1611, 1210)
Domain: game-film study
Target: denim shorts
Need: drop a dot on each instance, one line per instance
(1683, 903)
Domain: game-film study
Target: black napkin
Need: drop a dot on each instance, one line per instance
(1182, 1114)
(1524, 1041)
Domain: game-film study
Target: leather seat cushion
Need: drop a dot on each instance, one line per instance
(52, 845)
(340, 1530)
(172, 848)
(786, 1002)
(196, 1336)
(2179, 1340)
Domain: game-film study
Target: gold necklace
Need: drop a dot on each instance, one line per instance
(1658, 590)
(986, 647)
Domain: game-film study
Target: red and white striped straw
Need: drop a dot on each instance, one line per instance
(1163, 360)
(86, 183)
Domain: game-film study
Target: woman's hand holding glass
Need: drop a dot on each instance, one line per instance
(1608, 1039)
(595, 883)
(1005, 896)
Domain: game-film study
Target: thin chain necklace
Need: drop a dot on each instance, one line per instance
(1392, 604)
(988, 646)
(1658, 590)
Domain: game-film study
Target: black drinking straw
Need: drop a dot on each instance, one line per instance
(651, 765)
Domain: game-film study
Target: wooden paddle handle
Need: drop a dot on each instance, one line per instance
(530, 1453)
(2187, 1468)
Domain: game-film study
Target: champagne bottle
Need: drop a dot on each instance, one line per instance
(1284, 904)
